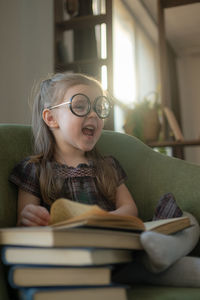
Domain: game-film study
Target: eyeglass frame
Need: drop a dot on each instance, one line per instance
(89, 107)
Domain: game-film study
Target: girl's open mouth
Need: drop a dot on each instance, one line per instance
(89, 131)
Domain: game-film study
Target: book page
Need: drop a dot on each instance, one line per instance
(173, 124)
(64, 211)
(168, 225)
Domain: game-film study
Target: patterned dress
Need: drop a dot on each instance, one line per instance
(78, 184)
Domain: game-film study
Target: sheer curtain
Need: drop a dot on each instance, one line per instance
(124, 70)
(135, 71)
(147, 68)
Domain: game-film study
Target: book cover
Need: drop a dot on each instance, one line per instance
(89, 293)
(48, 236)
(64, 256)
(173, 124)
(48, 276)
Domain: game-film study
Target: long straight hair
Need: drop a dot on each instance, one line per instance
(51, 92)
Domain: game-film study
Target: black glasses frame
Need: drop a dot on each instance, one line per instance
(94, 106)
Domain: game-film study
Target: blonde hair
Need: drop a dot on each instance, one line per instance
(51, 92)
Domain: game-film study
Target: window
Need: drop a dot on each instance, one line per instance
(146, 64)
(124, 79)
(134, 62)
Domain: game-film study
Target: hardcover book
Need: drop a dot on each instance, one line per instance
(43, 276)
(64, 256)
(89, 293)
(80, 225)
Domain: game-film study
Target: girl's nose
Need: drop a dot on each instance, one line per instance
(92, 113)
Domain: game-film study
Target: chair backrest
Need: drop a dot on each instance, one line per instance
(15, 143)
(150, 174)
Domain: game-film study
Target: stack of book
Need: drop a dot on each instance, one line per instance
(73, 257)
(64, 272)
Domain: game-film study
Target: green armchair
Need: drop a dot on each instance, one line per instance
(150, 175)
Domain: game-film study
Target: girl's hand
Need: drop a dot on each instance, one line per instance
(33, 215)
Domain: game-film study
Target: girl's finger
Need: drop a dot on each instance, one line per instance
(29, 217)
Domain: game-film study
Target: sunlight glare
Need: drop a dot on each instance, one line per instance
(104, 77)
(124, 71)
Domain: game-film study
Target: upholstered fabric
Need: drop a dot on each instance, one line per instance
(148, 292)
(151, 174)
(15, 144)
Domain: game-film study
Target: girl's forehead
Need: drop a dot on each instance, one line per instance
(91, 91)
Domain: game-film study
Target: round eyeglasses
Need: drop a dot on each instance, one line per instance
(80, 105)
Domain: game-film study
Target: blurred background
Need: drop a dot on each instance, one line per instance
(146, 53)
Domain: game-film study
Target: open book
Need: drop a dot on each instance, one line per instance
(80, 225)
(176, 130)
(66, 213)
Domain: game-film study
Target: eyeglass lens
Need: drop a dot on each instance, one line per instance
(102, 107)
(81, 106)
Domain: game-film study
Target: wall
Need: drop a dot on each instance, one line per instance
(189, 86)
(26, 55)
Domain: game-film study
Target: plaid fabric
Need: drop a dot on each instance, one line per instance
(78, 184)
(167, 208)
(83, 171)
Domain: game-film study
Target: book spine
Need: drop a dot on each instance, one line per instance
(11, 273)
(3, 256)
(27, 293)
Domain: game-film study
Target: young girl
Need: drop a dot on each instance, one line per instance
(68, 117)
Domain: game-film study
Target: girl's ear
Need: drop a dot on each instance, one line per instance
(49, 118)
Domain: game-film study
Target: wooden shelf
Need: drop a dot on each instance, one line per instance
(75, 64)
(83, 27)
(177, 146)
(82, 22)
(175, 143)
(174, 3)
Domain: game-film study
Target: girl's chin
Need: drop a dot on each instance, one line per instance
(87, 144)
(87, 148)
